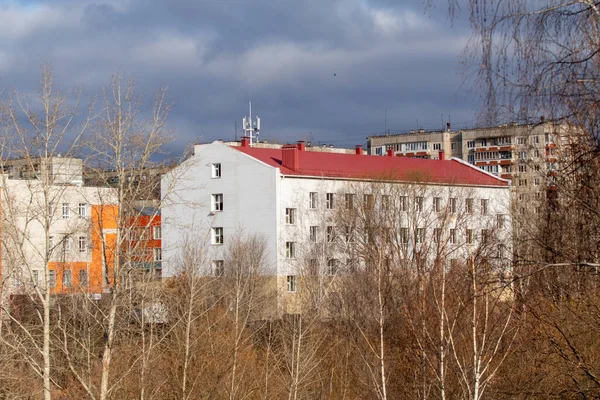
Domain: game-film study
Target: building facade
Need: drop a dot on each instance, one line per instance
(298, 201)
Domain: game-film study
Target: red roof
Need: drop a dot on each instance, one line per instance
(336, 165)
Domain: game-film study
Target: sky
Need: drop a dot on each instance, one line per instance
(330, 71)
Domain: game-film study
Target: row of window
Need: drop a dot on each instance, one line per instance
(82, 210)
(141, 233)
(401, 203)
(82, 243)
(67, 280)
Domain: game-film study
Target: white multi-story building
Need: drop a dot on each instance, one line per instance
(294, 199)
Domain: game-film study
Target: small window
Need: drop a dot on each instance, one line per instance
(403, 203)
(312, 200)
(332, 266)
(157, 254)
(290, 250)
(420, 236)
(522, 168)
(419, 204)
(522, 182)
(157, 232)
(452, 205)
(82, 244)
(536, 139)
(292, 283)
(218, 267)
(216, 170)
(437, 146)
(330, 234)
(521, 140)
(349, 198)
(469, 206)
(66, 213)
(329, 201)
(385, 202)
(369, 201)
(83, 278)
(36, 277)
(485, 236)
(437, 234)
(67, 280)
(453, 146)
(82, 210)
(217, 202)
(52, 279)
(452, 237)
(500, 221)
(484, 206)
(313, 234)
(500, 250)
(471, 144)
(67, 244)
(522, 211)
(290, 216)
(437, 204)
(51, 242)
(404, 235)
(470, 237)
(217, 235)
(536, 181)
(349, 234)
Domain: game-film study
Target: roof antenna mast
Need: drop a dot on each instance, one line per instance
(251, 128)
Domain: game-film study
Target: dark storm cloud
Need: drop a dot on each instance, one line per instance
(327, 67)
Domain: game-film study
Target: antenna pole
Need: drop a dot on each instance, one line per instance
(251, 128)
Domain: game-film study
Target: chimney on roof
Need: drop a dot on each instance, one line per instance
(448, 126)
(358, 150)
(301, 145)
(442, 156)
(542, 119)
(290, 157)
(390, 153)
(245, 141)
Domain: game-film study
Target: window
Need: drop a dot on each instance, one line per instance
(500, 250)
(536, 153)
(51, 242)
(290, 250)
(470, 238)
(522, 196)
(82, 210)
(82, 244)
(385, 202)
(349, 199)
(437, 146)
(500, 221)
(156, 232)
(313, 234)
(522, 211)
(217, 235)
(66, 213)
(36, 277)
(216, 170)
(420, 236)
(403, 204)
(452, 205)
(290, 216)
(217, 202)
(522, 168)
(522, 155)
(437, 204)
(67, 244)
(292, 283)
(452, 237)
(469, 206)
(536, 168)
(329, 201)
(538, 196)
(471, 158)
(471, 144)
(52, 279)
(538, 210)
(521, 140)
(349, 234)
(522, 182)
(330, 233)
(312, 200)
(484, 142)
(418, 204)
(437, 234)
(67, 280)
(218, 267)
(82, 277)
(536, 181)
(404, 235)
(536, 139)
(484, 206)
(332, 266)
(453, 146)
(485, 236)
(369, 201)
(157, 254)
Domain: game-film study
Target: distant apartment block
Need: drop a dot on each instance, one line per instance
(525, 154)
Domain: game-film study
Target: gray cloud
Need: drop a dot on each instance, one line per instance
(327, 67)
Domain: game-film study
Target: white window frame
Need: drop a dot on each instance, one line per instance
(216, 171)
(452, 205)
(157, 232)
(67, 244)
(484, 206)
(217, 237)
(329, 201)
(349, 200)
(82, 244)
(469, 205)
(218, 267)
(290, 250)
(437, 204)
(67, 278)
(290, 216)
(333, 265)
(313, 234)
(217, 202)
(330, 234)
(420, 236)
(292, 283)
(470, 237)
(313, 200)
(419, 203)
(82, 210)
(452, 236)
(157, 254)
(66, 211)
(52, 279)
(403, 204)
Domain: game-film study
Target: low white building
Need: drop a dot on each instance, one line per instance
(294, 199)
